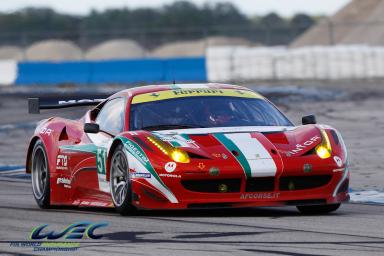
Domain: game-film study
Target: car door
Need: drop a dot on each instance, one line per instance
(90, 174)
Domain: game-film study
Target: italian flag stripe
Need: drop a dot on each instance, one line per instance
(136, 151)
(228, 143)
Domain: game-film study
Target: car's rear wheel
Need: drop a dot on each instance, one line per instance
(120, 182)
(318, 209)
(40, 175)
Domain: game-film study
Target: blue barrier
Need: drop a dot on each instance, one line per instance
(127, 71)
(53, 73)
(113, 71)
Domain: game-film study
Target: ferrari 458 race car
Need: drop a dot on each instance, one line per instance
(184, 147)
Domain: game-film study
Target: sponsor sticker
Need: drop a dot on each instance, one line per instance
(62, 162)
(141, 175)
(301, 147)
(170, 166)
(168, 175)
(179, 93)
(338, 161)
(201, 166)
(271, 195)
(65, 181)
(61, 102)
(46, 131)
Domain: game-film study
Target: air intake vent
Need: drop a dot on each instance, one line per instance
(260, 184)
(213, 186)
(292, 183)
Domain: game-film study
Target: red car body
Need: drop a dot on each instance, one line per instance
(217, 175)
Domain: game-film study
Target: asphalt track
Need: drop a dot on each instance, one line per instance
(355, 229)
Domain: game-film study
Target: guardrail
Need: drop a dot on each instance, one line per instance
(221, 64)
(281, 63)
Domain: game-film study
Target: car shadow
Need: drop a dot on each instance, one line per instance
(270, 212)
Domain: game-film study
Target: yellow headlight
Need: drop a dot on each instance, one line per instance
(180, 156)
(176, 154)
(324, 150)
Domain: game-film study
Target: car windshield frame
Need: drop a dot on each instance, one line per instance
(280, 117)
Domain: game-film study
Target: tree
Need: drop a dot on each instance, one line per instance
(301, 20)
(273, 20)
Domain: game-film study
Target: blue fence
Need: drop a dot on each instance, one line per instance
(114, 71)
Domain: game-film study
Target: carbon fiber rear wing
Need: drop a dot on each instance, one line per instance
(36, 104)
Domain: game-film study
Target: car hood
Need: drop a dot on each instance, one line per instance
(254, 142)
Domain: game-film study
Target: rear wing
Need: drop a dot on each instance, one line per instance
(36, 104)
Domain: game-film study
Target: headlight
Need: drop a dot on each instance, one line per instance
(176, 154)
(324, 150)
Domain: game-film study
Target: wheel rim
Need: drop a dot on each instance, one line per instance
(119, 178)
(39, 173)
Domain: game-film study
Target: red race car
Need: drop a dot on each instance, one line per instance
(183, 147)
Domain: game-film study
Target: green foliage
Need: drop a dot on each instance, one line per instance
(177, 21)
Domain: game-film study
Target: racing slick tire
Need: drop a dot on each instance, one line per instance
(120, 182)
(40, 175)
(318, 209)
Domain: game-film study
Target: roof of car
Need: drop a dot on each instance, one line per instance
(157, 88)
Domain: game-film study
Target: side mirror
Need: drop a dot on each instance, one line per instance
(310, 119)
(91, 128)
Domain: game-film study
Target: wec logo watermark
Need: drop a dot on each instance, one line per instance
(73, 231)
(42, 238)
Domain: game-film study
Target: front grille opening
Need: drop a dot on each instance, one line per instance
(262, 184)
(292, 183)
(213, 186)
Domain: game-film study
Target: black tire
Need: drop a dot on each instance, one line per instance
(119, 172)
(40, 175)
(318, 209)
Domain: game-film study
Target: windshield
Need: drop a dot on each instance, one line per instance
(195, 112)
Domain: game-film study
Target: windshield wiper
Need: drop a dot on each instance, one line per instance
(170, 127)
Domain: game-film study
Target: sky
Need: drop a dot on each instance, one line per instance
(250, 7)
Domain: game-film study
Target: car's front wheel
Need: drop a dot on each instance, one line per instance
(40, 175)
(318, 209)
(120, 182)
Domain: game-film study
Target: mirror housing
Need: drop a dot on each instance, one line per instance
(91, 128)
(310, 119)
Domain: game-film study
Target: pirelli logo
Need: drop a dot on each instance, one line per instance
(181, 93)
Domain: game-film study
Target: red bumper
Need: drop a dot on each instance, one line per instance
(333, 192)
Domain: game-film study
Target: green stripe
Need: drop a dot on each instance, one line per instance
(175, 144)
(99, 152)
(230, 145)
(135, 150)
(185, 136)
(87, 148)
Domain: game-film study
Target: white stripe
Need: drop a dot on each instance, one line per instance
(229, 129)
(191, 86)
(341, 182)
(135, 164)
(259, 159)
